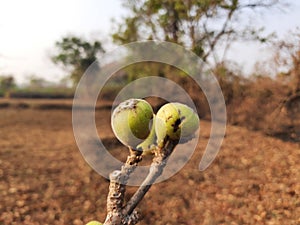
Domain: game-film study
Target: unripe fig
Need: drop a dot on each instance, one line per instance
(189, 120)
(177, 121)
(167, 123)
(130, 121)
(94, 222)
(148, 145)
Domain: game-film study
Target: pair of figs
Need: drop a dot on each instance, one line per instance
(135, 125)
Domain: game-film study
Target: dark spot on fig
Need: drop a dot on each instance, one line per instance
(169, 117)
(176, 125)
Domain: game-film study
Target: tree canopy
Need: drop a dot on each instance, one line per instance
(288, 56)
(7, 83)
(76, 55)
(204, 26)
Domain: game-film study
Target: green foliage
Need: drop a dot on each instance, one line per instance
(144, 69)
(2, 93)
(204, 26)
(76, 55)
(45, 92)
(7, 84)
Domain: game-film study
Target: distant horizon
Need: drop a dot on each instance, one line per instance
(30, 29)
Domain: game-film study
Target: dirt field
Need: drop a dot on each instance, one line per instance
(255, 179)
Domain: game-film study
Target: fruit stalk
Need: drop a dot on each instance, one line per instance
(158, 164)
(117, 187)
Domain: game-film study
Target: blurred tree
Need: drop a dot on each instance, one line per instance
(76, 55)
(231, 81)
(35, 82)
(7, 83)
(204, 26)
(287, 58)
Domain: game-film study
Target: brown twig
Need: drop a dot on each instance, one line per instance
(156, 169)
(117, 213)
(115, 198)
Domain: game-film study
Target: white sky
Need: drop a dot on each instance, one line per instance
(29, 29)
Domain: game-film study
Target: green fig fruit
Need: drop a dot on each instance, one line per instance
(167, 123)
(177, 121)
(94, 222)
(189, 120)
(130, 121)
(148, 145)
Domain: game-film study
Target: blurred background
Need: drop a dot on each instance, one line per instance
(253, 49)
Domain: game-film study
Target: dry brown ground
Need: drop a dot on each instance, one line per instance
(255, 179)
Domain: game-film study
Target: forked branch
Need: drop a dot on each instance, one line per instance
(117, 212)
